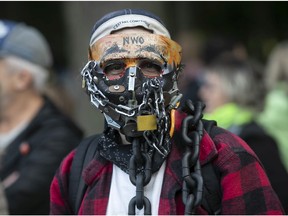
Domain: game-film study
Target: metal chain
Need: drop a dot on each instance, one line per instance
(140, 175)
(153, 102)
(140, 167)
(192, 132)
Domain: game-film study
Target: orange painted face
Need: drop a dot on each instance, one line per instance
(155, 55)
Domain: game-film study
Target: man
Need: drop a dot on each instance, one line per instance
(139, 165)
(34, 135)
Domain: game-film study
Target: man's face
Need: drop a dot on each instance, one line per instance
(133, 73)
(212, 92)
(127, 60)
(7, 84)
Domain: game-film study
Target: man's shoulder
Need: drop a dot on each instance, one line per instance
(220, 143)
(65, 166)
(52, 123)
(79, 153)
(229, 145)
(87, 144)
(50, 114)
(47, 131)
(222, 136)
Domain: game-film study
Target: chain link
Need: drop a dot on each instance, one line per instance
(192, 132)
(140, 175)
(140, 162)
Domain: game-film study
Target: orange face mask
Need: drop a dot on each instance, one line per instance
(139, 50)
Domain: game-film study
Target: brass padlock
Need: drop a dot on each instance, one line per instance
(146, 122)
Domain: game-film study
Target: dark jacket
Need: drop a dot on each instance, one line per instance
(266, 149)
(49, 137)
(245, 186)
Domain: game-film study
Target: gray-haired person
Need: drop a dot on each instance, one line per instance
(34, 134)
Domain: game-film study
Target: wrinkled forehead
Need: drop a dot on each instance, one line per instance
(136, 46)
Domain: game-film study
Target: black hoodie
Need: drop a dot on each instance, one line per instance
(48, 138)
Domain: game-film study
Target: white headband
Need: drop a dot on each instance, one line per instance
(128, 20)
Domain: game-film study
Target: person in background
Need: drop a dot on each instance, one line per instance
(234, 94)
(138, 165)
(275, 115)
(34, 134)
(201, 51)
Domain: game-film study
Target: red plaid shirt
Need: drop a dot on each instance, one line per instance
(245, 186)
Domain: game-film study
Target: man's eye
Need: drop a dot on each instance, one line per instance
(113, 69)
(150, 69)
